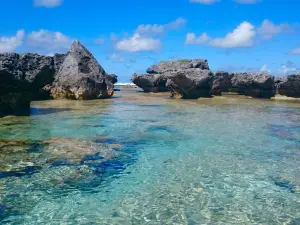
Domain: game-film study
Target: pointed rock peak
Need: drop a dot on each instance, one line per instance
(77, 47)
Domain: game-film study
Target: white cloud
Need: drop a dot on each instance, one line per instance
(242, 36)
(116, 58)
(295, 51)
(265, 69)
(138, 43)
(99, 41)
(154, 29)
(206, 2)
(192, 39)
(47, 40)
(288, 68)
(48, 3)
(10, 44)
(268, 29)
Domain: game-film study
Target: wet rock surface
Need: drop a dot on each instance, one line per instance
(22, 78)
(190, 83)
(81, 77)
(178, 65)
(257, 85)
(289, 86)
(221, 82)
(151, 82)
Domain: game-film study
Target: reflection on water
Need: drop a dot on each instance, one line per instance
(145, 159)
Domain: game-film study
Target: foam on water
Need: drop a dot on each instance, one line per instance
(209, 161)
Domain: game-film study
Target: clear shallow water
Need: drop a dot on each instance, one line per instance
(144, 159)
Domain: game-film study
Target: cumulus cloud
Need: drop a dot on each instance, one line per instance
(138, 43)
(288, 68)
(116, 58)
(47, 3)
(295, 51)
(265, 69)
(10, 44)
(155, 29)
(99, 41)
(268, 29)
(192, 39)
(48, 40)
(242, 36)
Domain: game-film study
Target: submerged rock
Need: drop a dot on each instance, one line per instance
(81, 77)
(22, 78)
(151, 82)
(221, 82)
(289, 85)
(178, 65)
(74, 151)
(190, 83)
(257, 85)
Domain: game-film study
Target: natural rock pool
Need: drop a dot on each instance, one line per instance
(145, 159)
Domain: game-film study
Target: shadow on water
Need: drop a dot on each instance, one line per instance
(47, 111)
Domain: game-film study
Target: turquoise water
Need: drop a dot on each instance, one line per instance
(145, 159)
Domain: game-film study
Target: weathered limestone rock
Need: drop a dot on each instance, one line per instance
(289, 85)
(257, 85)
(81, 77)
(190, 83)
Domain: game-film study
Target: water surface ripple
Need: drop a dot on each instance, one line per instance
(145, 159)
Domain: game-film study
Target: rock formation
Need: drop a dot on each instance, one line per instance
(151, 82)
(190, 83)
(257, 85)
(81, 77)
(177, 65)
(158, 74)
(22, 78)
(289, 85)
(27, 77)
(221, 82)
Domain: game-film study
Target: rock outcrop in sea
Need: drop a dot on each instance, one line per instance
(190, 83)
(22, 78)
(81, 77)
(28, 77)
(257, 85)
(289, 85)
(193, 79)
(157, 75)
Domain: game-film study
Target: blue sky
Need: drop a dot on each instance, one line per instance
(129, 36)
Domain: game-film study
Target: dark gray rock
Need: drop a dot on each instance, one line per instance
(81, 77)
(221, 82)
(289, 85)
(22, 78)
(178, 65)
(150, 82)
(257, 85)
(190, 83)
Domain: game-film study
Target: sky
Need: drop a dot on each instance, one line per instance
(127, 37)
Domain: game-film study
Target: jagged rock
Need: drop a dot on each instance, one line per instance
(289, 86)
(257, 85)
(221, 82)
(81, 77)
(178, 65)
(190, 83)
(22, 78)
(151, 82)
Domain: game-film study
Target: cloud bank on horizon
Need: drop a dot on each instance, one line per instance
(235, 40)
